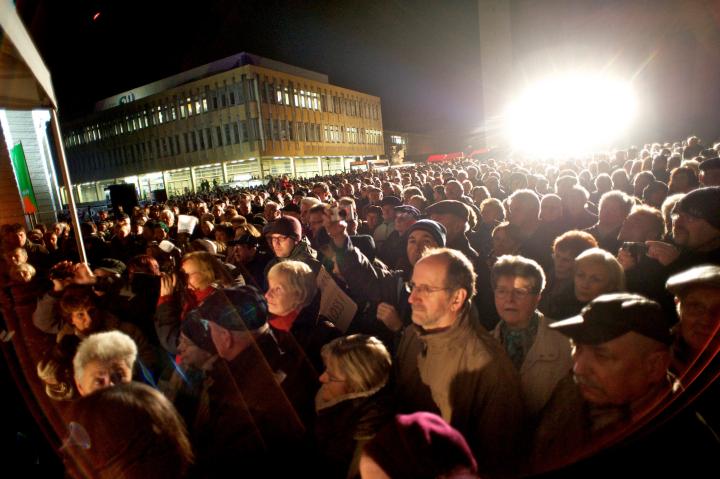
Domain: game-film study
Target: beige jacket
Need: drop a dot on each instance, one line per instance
(547, 362)
(465, 376)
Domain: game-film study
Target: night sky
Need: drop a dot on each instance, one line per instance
(416, 56)
(420, 56)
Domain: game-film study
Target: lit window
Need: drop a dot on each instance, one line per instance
(279, 96)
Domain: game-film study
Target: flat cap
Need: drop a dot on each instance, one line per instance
(449, 207)
(609, 316)
(706, 275)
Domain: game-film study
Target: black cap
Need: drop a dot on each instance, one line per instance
(449, 207)
(111, 265)
(611, 315)
(706, 275)
(290, 208)
(409, 210)
(391, 200)
(703, 203)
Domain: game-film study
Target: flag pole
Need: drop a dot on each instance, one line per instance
(60, 148)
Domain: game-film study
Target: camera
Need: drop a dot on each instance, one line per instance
(64, 270)
(636, 249)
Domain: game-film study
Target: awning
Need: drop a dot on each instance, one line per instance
(25, 82)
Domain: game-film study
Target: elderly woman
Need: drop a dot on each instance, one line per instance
(596, 272)
(294, 306)
(540, 354)
(351, 404)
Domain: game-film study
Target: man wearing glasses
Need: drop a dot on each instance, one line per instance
(285, 238)
(448, 365)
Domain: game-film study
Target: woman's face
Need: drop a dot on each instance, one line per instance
(81, 320)
(280, 299)
(591, 280)
(333, 381)
(195, 279)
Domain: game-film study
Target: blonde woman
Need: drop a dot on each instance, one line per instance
(351, 404)
(294, 305)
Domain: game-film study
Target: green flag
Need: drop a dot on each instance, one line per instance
(17, 154)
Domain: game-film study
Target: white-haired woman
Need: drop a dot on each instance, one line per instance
(294, 306)
(352, 403)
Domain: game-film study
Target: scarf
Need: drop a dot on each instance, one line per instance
(518, 342)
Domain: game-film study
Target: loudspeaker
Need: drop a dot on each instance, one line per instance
(159, 196)
(123, 195)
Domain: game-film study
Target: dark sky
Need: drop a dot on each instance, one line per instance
(419, 56)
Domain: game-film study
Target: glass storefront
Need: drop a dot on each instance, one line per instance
(178, 181)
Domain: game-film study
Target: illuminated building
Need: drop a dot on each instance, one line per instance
(235, 120)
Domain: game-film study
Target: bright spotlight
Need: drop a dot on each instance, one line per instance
(570, 115)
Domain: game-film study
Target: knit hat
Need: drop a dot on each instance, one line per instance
(420, 445)
(286, 226)
(437, 230)
(703, 203)
(238, 309)
(198, 331)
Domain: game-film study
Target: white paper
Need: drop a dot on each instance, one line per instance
(335, 305)
(186, 224)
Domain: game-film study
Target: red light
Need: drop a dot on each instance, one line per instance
(96, 16)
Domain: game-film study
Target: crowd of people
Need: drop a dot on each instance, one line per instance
(494, 317)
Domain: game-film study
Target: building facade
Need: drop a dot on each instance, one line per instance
(235, 121)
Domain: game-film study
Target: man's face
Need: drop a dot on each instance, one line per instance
(102, 374)
(516, 300)
(167, 218)
(636, 228)
(403, 221)
(192, 356)
(281, 245)
(611, 213)
(372, 220)
(374, 197)
(453, 191)
(271, 212)
(550, 209)
(613, 373)
(521, 213)
(245, 207)
(388, 213)
(316, 222)
(430, 299)
(20, 238)
(122, 228)
(699, 311)
(693, 233)
(320, 193)
(564, 262)
(417, 243)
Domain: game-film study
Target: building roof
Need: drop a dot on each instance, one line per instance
(209, 69)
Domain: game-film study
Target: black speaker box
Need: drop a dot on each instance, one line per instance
(123, 195)
(159, 196)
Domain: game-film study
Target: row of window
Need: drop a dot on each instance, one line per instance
(299, 131)
(288, 95)
(187, 105)
(163, 111)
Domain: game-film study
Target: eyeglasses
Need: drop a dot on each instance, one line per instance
(422, 289)
(278, 238)
(520, 293)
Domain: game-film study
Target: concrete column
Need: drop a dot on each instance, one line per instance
(320, 168)
(224, 172)
(165, 182)
(292, 167)
(193, 180)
